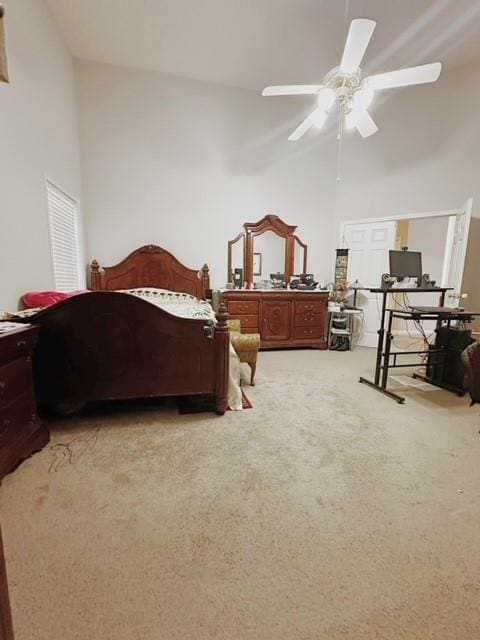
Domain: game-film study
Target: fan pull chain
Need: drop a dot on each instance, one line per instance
(341, 120)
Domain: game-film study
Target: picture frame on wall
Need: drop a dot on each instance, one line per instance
(257, 264)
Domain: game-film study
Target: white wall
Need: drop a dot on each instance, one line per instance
(184, 164)
(38, 138)
(428, 235)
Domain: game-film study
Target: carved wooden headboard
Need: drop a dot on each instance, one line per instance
(150, 266)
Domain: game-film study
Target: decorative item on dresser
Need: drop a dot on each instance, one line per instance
(283, 317)
(109, 345)
(21, 432)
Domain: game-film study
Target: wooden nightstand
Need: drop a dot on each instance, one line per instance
(21, 432)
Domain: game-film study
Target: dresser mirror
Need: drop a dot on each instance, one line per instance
(269, 253)
(268, 256)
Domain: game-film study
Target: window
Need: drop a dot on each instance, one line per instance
(65, 240)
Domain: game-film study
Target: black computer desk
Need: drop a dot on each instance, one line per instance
(385, 336)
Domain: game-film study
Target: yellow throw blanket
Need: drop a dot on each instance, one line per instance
(3, 51)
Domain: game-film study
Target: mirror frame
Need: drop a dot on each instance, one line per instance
(305, 249)
(241, 236)
(270, 222)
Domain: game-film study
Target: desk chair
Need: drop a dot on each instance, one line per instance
(246, 345)
(471, 362)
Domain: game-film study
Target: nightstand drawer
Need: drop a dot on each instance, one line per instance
(16, 419)
(15, 377)
(17, 344)
(238, 307)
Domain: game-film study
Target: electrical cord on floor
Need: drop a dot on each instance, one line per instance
(70, 452)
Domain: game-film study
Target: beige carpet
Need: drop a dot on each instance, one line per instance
(325, 512)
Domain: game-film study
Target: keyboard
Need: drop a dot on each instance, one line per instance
(443, 310)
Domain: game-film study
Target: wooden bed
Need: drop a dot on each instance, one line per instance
(106, 345)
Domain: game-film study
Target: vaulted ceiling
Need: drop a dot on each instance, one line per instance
(252, 43)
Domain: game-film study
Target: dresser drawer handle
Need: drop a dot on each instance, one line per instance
(2, 387)
(5, 424)
(21, 344)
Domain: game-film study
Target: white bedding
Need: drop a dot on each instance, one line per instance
(184, 305)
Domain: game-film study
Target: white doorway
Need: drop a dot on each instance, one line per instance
(368, 244)
(441, 236)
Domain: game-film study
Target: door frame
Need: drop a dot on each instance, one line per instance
(401, 216)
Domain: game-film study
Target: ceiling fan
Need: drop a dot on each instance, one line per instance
(344, 85)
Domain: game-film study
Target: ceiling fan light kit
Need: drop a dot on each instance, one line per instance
(319, 117)
(326, 98)
(344, 85)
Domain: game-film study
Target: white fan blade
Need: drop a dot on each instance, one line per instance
(292, 90)
(404, 77)
(317, 118)
(302, 129)
(365, 124)
(359, 35)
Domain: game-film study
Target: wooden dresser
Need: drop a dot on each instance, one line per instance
(21, 432)
(283, 318)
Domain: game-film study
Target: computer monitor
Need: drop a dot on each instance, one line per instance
(405, 264)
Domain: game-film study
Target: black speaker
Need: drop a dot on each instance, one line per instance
(387, 281)
(424, 282)
(447, 367)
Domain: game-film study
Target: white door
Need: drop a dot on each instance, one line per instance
(368, 258)
(455, 253)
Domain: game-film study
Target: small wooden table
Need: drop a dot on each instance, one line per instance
(21, 431)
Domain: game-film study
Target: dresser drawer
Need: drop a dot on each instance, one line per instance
(308, 333)
(237, 307)
(249, 324)
(310, 319)
(15, 378)
(309, 307)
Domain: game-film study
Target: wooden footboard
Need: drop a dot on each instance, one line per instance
(106, 345)
(222, 356)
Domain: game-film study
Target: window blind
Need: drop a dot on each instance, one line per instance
(64, 239)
